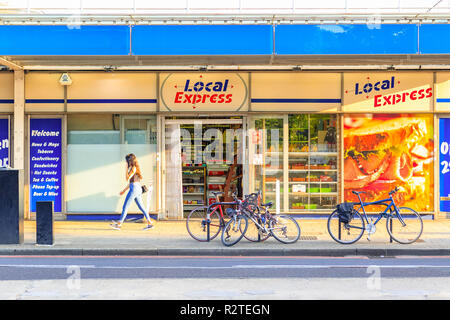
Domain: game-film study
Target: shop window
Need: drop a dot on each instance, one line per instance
(268, 158)
(299, 153)
(96, 149)
(312, 159)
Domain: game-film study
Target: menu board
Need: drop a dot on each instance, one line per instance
(444, 160)
(4, 143)
(45, 162)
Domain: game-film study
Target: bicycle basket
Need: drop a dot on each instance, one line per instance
(345, 212)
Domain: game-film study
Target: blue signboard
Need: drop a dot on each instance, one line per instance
(45, 162)
(444, 168)
(4, 142)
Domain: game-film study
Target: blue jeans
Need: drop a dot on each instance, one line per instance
(134, 193)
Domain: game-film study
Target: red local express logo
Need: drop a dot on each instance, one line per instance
(390, 99)
(204, 92)
(179, 91)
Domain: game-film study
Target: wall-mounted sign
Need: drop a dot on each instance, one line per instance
(65, 80)
(45, 162)
(388, 92)
(4, 143)
(204, 92)
(444, 160)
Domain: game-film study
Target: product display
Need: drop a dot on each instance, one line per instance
(309, 156)
(193, 186)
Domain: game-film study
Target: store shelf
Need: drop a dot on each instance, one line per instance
(318, 153)
(312, 170)
(308, 182)
(195, 190)
(325, 194)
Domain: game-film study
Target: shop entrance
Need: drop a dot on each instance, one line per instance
(201, 156)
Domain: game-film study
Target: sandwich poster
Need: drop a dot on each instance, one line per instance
(382, 151)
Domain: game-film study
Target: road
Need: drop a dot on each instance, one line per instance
(249, 278)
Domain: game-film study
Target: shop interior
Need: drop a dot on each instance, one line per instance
(202, 156)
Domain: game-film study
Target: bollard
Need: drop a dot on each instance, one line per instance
(44, 222)
(11, 206)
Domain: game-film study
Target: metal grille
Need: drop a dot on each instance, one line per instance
(309, 238)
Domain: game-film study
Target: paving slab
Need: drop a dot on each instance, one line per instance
(170, 238)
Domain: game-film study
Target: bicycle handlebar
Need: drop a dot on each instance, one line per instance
(394, 191)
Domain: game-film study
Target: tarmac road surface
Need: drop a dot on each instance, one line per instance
(159, 277)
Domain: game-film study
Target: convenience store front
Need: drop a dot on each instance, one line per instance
(239, 143)
(300, 137)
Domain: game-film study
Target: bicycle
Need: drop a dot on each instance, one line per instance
(254, 232)
(204, 223)
(236, 227)
(284, 228)
(262, 224)
(400, 230)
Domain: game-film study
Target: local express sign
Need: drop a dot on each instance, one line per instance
(388, 91)
(203, 92)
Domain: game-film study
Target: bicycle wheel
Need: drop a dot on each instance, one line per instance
(285, 229)
(234, 230)
(345, 233)
(197, 227)
(255, 233)
(406, 232)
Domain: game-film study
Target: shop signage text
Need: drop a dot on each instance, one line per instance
(390, 99)
(201, 90)
(377, 86)
(381, 91)
(4, 143)
(45, 162)
(207, 91)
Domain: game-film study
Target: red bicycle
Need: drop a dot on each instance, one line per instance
(204, 223)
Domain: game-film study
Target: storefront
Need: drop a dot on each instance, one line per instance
(306, 139)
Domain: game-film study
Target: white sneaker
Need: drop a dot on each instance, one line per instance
(115, 225)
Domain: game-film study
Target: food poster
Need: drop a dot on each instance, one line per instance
(384, 151)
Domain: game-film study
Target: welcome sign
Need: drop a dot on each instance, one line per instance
(204, 92)
(45, 162)
(388, 92)
(4, 143)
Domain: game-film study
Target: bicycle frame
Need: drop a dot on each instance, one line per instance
(219, 205)
(389, 203)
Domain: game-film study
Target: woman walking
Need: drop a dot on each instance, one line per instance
(133, 176)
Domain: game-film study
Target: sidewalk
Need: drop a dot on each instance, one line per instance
(171, 238)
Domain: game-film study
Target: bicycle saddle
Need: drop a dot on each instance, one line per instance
(268, 204)
(358, 192)
(216, 192)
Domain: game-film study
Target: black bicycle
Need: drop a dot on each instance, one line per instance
(403, 224)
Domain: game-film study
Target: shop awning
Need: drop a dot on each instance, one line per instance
(296, 46)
